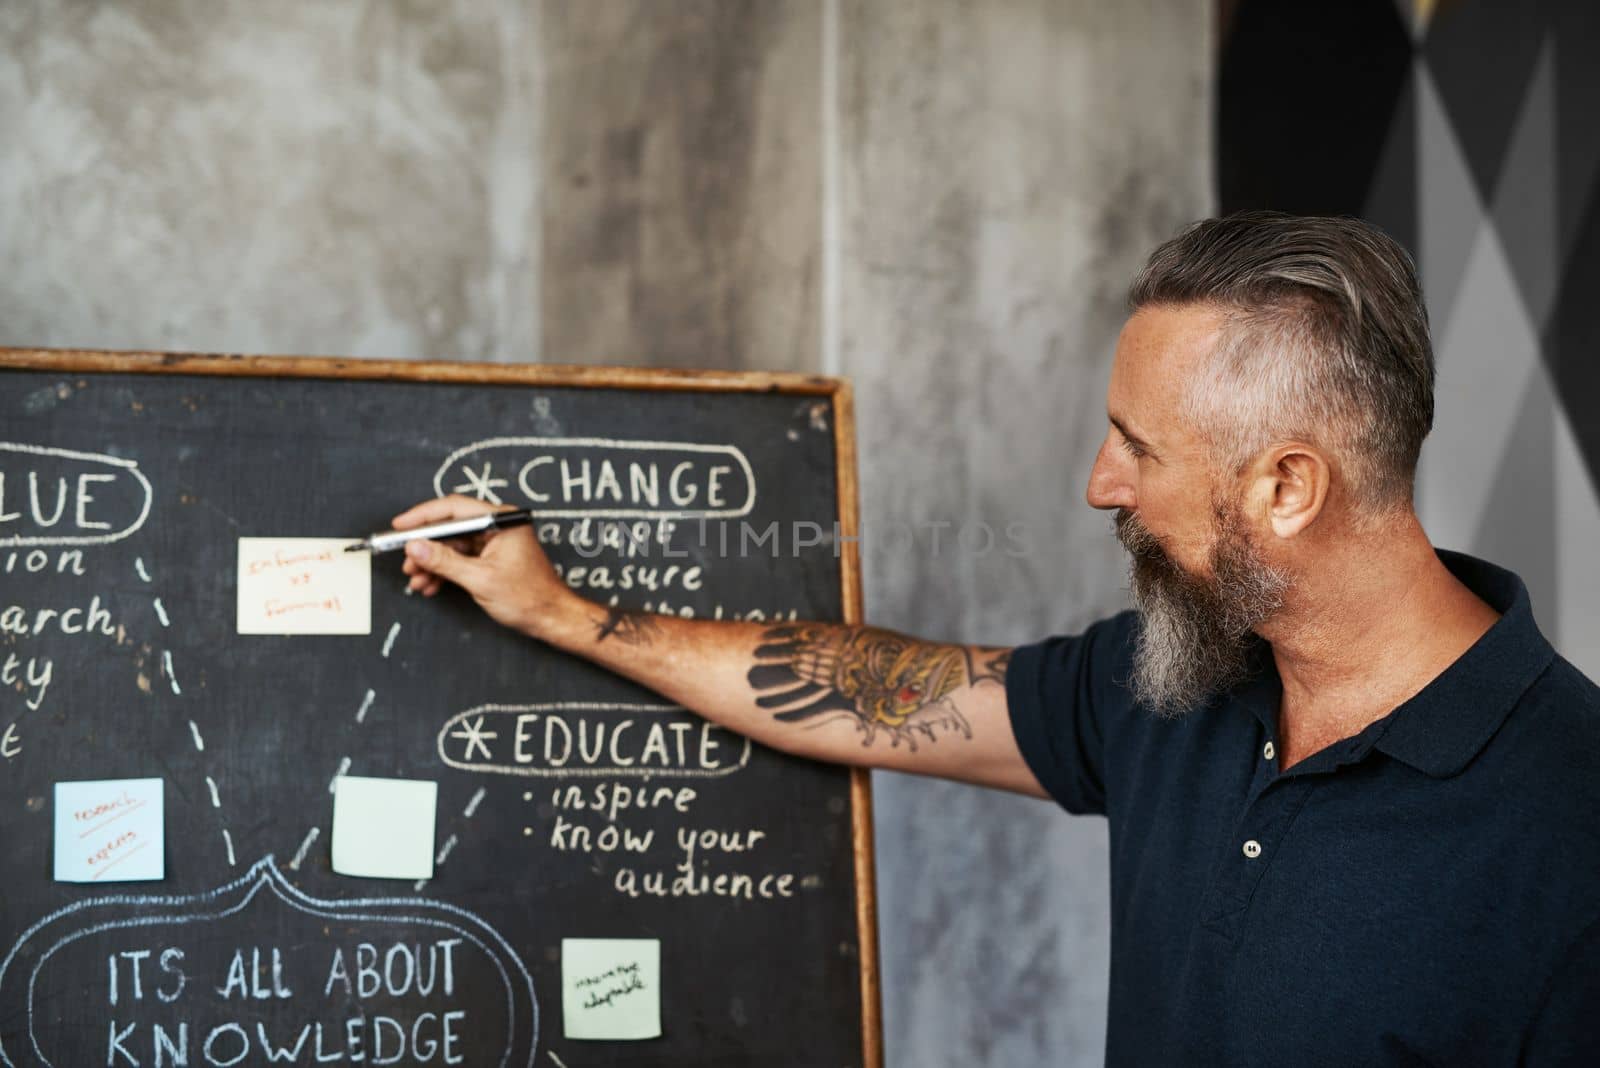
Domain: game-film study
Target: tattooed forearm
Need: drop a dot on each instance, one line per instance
(629, 628)
(885, 682)
(987, 665)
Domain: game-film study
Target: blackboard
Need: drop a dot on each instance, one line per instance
(128, 480)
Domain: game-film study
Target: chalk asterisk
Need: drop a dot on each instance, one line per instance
(480, 485)
(475, 737)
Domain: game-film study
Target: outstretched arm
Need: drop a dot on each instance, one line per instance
(830, 691)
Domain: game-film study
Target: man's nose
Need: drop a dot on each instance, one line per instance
(1109, 483)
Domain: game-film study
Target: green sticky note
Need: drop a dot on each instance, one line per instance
(611, 988)
(383, 828)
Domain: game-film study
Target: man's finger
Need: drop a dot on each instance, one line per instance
(439, 559)
(441, 510)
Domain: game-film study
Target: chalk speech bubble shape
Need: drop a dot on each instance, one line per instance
(72, 942)
(118, 484)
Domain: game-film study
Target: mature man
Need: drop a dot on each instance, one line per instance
(1354, 796)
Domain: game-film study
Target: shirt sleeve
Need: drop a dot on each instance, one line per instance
(1060, 693)
(1566, 1029)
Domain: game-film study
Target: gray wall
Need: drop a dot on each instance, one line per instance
(992, 215)
(940, 199)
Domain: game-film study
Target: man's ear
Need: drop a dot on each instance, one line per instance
(1289, 486)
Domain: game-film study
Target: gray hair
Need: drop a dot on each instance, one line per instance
(1324, 340)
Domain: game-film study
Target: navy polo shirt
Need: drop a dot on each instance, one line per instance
(1425, 892)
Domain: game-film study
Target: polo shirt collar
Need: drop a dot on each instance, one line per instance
(1442, 728)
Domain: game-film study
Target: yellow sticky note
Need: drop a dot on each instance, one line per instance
(611, 988)
(303, 586)
(383, 828)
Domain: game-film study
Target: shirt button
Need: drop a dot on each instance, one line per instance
(1252, 849)
(1268, 752)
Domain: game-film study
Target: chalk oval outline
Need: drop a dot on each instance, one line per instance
(580, 773)
(265, 873)
(617, 513)
(132, 466)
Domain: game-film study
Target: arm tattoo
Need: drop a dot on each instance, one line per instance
(879, 680)
(993, 665)
(629, 628)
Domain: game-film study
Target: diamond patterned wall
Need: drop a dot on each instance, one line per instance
(1466, 129)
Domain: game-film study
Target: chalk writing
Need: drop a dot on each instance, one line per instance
(51, 496)
(92, 618)
(568, 477)
(578, 738)
(30, 677)
(692, 876)
(36, 561)
(383, 980)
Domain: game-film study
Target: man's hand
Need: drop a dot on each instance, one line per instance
(505, 571)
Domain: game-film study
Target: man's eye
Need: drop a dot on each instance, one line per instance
(1132, 449)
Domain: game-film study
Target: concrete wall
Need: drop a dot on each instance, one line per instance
(294, 178)
(943, 200)
(992, 216)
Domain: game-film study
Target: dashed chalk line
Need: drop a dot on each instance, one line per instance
(344, 766)
(305, 847)
(388, 643)
(166, 668)
(439, 858)
(444, 850)
(194, 728)
(450, 843)
(366, 703)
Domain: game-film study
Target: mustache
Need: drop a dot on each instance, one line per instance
(1127, 526)
(1137, 539)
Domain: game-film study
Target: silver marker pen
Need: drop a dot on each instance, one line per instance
(455, 528)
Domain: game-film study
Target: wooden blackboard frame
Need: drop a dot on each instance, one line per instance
(837, 392)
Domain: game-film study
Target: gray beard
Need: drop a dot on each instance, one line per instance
(1196, 632)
